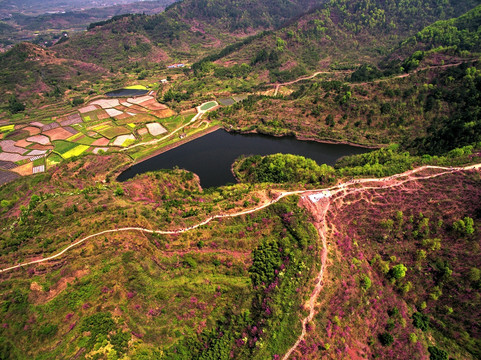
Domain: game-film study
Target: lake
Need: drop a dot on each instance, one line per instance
(126, 93)
(212, 155)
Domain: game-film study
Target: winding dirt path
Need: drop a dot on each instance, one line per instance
(327, 196)
(317, 201)
(329, 193)
(301, 79)
(277, 86)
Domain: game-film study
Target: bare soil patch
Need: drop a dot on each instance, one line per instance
(101, 142)
(58, 134)
(40, 139)
(39, 296)
(9, 146)
(22, 143)
(32, 130)
(25, 169)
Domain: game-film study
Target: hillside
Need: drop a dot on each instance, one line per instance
(239, 286)
(342, 34)
(190, 28)
(34, 73)
(459, 35)
(375, 257)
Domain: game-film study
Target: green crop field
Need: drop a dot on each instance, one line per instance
(62, 146)
(53, 159)
(6, 128)
(135, 87)
(112, 132)
(76, 151)
(175, 121)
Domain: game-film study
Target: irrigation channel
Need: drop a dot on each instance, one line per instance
(315, 200)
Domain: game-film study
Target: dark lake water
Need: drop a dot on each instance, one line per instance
(126, 92)
(211, 156)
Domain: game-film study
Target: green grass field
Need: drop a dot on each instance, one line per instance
(174, 122)
(53, 159)
(208, 106)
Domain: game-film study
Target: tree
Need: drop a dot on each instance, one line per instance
(398, 272)
(386, 339)
(366, 282)
(437, 354)
(420, 321)
(15, 106)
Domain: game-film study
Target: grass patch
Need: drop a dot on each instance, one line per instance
(208, 106)
(39, 162)
(53, 159)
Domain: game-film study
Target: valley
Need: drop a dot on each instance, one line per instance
(241, 180)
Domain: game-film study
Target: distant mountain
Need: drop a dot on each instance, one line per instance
(189, 29)
(36, 7)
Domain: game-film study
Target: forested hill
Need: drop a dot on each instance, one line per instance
(346, 32)
(462, 34)
(187, 29)
(244, 16)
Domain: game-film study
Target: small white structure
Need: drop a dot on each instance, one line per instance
(319, 196)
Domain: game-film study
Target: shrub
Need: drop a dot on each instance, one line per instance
(464, 226)
(119, 191)
(14, 105)
(366, 282)
(386, 339)
(437, 354)
(398, 272)
(76, 101)
(420, 321)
